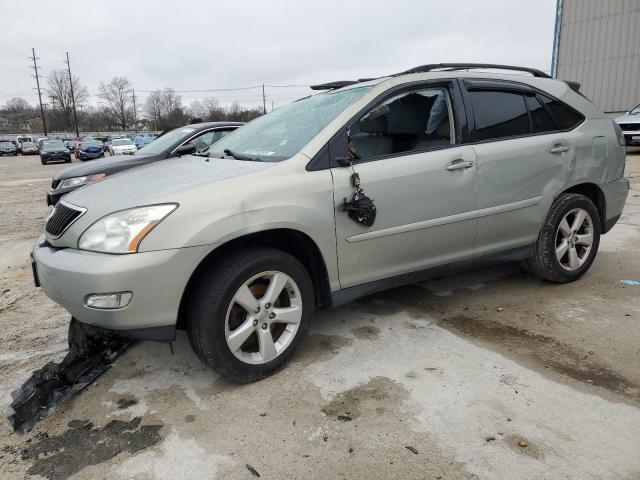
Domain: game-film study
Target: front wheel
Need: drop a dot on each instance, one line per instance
(248, 313)
(568, 241)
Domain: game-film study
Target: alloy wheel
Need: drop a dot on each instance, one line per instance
(263, 317)
(574, 239)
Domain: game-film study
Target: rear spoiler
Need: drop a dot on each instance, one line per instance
(575, 86)
(333, 85)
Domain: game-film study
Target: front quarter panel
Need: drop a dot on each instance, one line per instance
(283, 197)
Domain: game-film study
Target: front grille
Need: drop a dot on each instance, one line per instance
(62, 217)
(630, 126)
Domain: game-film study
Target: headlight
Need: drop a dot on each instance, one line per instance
(77, 181)
(122, 232)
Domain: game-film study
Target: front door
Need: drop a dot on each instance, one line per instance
(422, 183)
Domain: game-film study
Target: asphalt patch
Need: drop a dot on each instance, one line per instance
(58, 457)
(366, 332)
(544, 352)
(318, 347)
(376, 395)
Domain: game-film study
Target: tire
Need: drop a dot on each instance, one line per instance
(552, 240)
(212, 308)
(43, 162)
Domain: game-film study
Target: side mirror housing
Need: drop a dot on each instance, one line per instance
(186, 149)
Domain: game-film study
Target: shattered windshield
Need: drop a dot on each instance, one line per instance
(283, 132)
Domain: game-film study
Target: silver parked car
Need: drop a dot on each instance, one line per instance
(630, 124)
(365, 186)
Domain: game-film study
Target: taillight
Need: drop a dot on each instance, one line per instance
(619, 133)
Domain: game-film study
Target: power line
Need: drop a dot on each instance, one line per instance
(35, 68)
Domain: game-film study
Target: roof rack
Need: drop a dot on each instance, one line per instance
(462, 66)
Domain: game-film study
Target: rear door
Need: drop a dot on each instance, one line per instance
(524, 157)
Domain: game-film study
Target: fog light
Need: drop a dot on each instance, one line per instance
(108, 301)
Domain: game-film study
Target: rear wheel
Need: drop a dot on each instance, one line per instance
(248, 313)
(569, 239)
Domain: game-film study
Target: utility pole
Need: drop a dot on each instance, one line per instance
(135, 112)
(52, 114)
(35, 68)
(73, 98)
(264, 100)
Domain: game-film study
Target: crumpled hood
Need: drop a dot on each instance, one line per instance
(626, 118)
(163, 181)
(97, 166)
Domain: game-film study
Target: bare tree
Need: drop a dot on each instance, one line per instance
(153, 108)
(118, 102)
(197, 110)
(214, 111)
(164, 109)
(16, 105)
(59, 89)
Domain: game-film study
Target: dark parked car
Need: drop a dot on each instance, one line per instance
(54, 150)
(8, 148)
(29, 148)
(89, 150)
(180, 141)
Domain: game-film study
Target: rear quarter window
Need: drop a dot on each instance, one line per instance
(541, 121)
(565, 117)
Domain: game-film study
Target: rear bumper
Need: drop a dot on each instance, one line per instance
(157, 280)
(615, 194)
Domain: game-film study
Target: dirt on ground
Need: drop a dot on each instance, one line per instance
(488, 374)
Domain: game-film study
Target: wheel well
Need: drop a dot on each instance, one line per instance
(593, 192)
(293, 242)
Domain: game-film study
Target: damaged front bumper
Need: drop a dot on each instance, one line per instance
(155, 279)
(92, 350)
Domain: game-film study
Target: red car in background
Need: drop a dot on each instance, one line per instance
(30, 148)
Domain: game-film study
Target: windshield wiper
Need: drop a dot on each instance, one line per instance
(239, 156)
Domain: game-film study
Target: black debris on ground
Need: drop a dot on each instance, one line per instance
(57, 457)
(126, 403)
(92, 350)
(411, 449)
(253, 471)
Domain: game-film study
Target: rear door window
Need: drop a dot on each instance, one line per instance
(499, 114)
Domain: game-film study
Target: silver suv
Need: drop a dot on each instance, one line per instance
(362, 187)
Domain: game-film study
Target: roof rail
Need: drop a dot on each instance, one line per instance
(333, 85)
(462, 66)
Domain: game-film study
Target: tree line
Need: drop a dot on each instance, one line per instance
(118, 108)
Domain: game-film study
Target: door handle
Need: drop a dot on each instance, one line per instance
(559, 149)
(459, 165)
